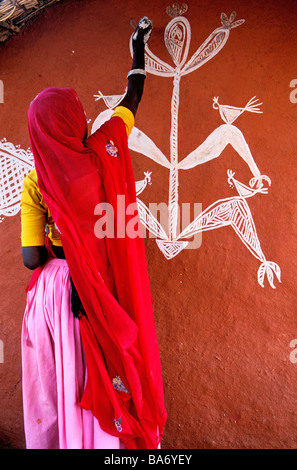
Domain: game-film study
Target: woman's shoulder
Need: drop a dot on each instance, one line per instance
(31, 178)
(30, 184)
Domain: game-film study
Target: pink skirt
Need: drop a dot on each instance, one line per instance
(54, 369)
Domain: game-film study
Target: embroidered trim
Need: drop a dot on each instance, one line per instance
(117, 423)
(118, 384)
(111, 149)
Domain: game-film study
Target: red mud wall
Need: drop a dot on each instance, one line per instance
(225, 342)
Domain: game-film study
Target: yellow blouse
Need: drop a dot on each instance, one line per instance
(36, 220)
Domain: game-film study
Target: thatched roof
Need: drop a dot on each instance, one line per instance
(14, 14)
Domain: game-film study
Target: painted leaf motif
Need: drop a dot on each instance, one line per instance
(156, 66)
(232, 16)
(183, 9)
(141, 143)
(224, 19)
(176, 10)
(276, 270)
(261, 274)
(269, 273)
(213, 44)
(237, 23)
(177, 38)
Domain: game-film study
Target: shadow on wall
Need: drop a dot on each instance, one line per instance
(5, 441)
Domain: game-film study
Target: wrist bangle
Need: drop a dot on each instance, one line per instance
(136, 72)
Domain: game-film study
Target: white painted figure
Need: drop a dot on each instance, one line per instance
(232, 211)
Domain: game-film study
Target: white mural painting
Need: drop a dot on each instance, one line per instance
(233, 211)
(15, 164)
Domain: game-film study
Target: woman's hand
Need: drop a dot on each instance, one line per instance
(136, 81)
(143, 31)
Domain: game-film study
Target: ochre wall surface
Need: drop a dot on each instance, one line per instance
(225, 342)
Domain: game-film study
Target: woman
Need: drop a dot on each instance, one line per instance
(51, 422)
(123, 386)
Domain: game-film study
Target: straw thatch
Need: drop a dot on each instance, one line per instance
(14, 14)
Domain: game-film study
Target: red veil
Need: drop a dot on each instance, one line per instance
(124, 383)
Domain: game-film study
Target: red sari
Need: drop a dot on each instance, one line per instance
(124, 387)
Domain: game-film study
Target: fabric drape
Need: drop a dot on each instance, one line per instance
(53, 367)
(76, 175)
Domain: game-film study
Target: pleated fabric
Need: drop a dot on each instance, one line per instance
(54, 371)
